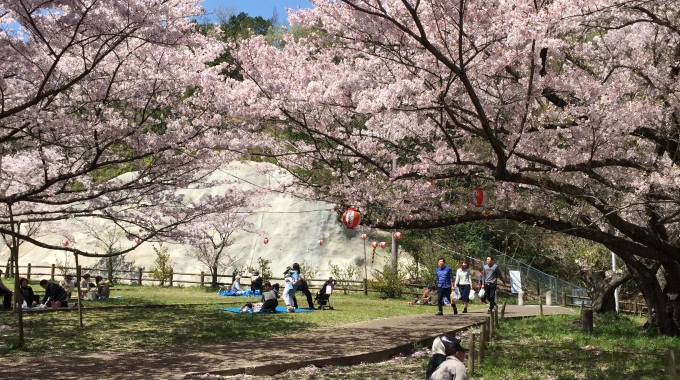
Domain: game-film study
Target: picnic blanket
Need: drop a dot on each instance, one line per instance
(229, 293)
(280, 309)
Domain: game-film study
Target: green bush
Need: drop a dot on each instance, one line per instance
(389, 282)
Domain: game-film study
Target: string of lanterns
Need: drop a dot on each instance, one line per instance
(351, 218)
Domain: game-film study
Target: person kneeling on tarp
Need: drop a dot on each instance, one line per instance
(269, 299)
(53, 292)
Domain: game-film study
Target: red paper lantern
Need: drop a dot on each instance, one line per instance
(374, 244)
(320, 241)
(9, 243)
(364, 236)
(65, 243)
(383, 245)
(397, 235)
(138, 240)
(351, 218)
(478, 197)
(409, 217)
(265, 241)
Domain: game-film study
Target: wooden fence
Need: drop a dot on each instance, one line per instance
(142, 277)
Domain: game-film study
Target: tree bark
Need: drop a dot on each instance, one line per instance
(601, 288)
(213, 274)
(657, 317)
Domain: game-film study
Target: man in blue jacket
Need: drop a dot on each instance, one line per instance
(444, 285)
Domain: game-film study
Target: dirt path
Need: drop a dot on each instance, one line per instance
(172, 363)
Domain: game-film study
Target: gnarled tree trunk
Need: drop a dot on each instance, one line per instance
(657, 316)
(601, 288)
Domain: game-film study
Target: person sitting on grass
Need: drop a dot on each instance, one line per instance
(256, 282)
(269, 298)
(236, 286)
(427, 295)
(103, 290)
(68, 284)
(452, 368)
(85, 286)
(27, 293)
(53, 293)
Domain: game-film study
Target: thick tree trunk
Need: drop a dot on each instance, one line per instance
(657, 316)
(601, 288)
(672, 291)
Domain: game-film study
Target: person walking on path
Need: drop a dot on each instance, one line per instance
(491, 274)
(452, 368)
(444, 285)
(463, 282)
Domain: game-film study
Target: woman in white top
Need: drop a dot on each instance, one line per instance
(463, 282)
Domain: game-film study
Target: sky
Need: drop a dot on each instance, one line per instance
(263, 8)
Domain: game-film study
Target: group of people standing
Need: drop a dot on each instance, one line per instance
(447, 283)
(294, 281)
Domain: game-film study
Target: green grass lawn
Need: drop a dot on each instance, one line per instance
(555, 348)
(140, 327)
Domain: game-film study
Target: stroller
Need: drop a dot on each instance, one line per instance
(323, 298)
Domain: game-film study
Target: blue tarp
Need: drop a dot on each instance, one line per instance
(280, 309)
(229, 293)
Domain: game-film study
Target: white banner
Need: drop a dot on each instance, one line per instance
(515, 282)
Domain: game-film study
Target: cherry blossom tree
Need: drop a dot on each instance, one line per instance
(566, 112)
(212, 235)
(106, 109)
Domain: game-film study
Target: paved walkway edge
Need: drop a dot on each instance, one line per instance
(350, 360)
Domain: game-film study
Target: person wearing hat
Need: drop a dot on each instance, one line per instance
(68, 284)
(236, 286)
(452, 368)
(256, 282)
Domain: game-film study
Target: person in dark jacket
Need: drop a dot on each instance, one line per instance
(6, 294)
(438, 354)
(304, 288)
(54, 292)
(256, 282)
(27, 293)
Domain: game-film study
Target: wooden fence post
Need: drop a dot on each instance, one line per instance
(482, 343)
(489, 328)
(587, 321)
(54, 267)
(635, 307)
(139, 277)
(503, 310)
(471, 355)
(495, 317)
(365, 286)
(202, 278)
(172, 274)
(564, 299)
(671, 364)
(28, 272)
